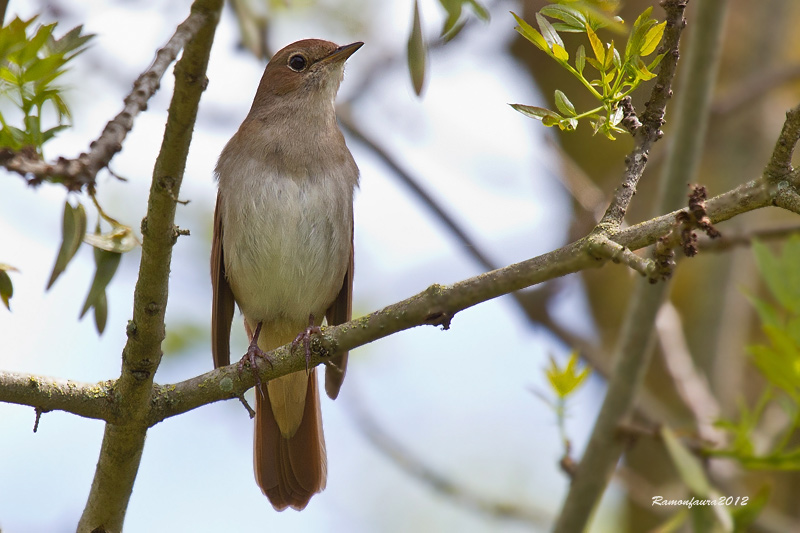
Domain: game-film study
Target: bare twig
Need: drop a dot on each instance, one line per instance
(780, 165)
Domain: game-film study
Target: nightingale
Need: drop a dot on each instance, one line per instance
(283, 252)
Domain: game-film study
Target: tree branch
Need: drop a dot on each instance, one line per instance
(652, 119)
(90, 400)
(81, 172)
(431, 306)
(123, 441)
(636, 338)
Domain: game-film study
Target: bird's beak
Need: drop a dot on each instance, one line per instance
(343, 52)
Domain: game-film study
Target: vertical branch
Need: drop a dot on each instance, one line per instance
(123, 442)
(636, 338)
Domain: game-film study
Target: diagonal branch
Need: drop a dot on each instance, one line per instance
(80, 172)
(652, 118)
(436, 305)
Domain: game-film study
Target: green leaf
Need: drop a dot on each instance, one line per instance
(106, 263)
(642, 71)
(453, 9)
(609, 57)
(653, 64)
(560, 53)
(688, 466)
(539, 113)
(580, 59)
(565, 381)
(50, 133)
(549, 33)
(71, 43)
(781, 276)
(417, 53)
(597, 46)
(73, 227)
(652, 39)
(40, 67)
(480, 10)
(617, 60)
(564, 105)
(530, 33)
(6, 287)
(573, 20)
(32, 47)
(640, 27)
(100, 312)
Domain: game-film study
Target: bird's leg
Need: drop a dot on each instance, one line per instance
(253, 351)
(305, 337)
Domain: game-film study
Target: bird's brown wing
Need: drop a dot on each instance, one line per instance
(339, 312)
(223, 302)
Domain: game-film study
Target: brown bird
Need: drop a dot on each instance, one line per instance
(283, 251)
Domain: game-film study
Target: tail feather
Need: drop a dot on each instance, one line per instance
(290, 471)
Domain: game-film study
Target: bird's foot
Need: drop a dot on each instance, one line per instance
(251, 356)
(305, 337)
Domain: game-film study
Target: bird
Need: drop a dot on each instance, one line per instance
(282, 250)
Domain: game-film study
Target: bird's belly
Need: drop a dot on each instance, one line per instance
(290, 256)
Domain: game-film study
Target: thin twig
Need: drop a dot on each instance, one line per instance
(780, 165)
(81, 172)
(652, 119)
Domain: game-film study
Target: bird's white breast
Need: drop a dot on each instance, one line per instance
(286, 241)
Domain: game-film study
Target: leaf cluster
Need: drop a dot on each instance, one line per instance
(607, 74)
(108, 250)
(31, 60)
(778, 360)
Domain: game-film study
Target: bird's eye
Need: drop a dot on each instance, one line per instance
(297, 63)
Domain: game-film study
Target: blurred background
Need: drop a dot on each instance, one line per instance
(425, 404)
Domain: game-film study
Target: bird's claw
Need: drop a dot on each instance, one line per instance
(251, 356)
(305, 337)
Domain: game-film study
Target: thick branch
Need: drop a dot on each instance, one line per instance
(123, 442)
(227, 382)
(81, 171)
(90, 400)
(438, 304)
